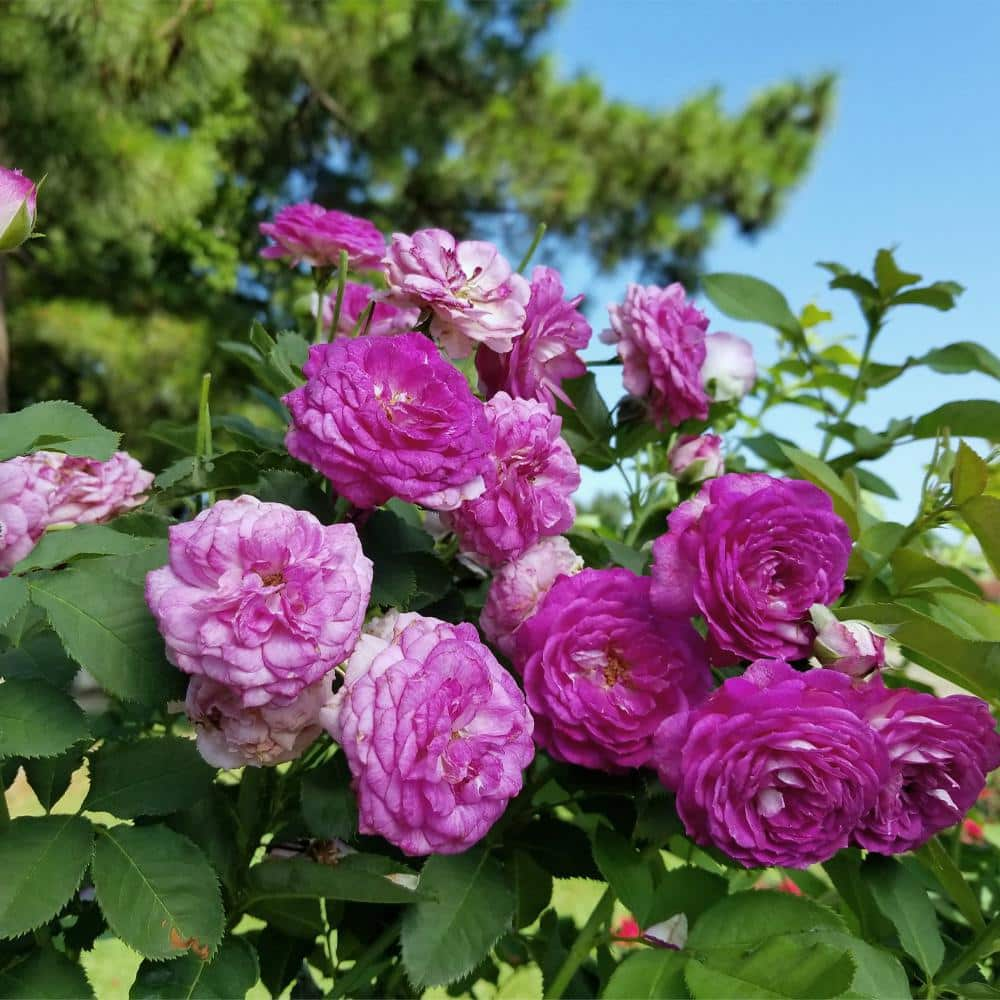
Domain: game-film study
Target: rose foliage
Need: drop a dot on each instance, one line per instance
(337, 701)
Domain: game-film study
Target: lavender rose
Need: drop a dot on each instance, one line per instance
(469, 288)
(309, 233)
(602, 671)
(435, 731)
(729, 370)
(776, 768)
(850, 646)
(529, 498)
(23, 513)
(941, 750)
(388, 416)
(752, 554)
(661, 340)
(696, 457)
(554, 330)
(18, 195)
(519, 586)
(260, 597)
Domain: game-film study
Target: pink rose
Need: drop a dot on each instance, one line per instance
(309, 233)
(695, 458)
(23, 512)
(18, 195)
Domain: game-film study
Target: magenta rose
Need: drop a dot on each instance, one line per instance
(554, 331)
(752, 554)
(529, 498)
(388, 416)
(776, 768)
(18, 195)
(729, 370)
(470, 289)
(602, 670)
(231, 735)
(23, 512)
(696, 457)
(519, 586)
(849, 646)
(435, 731)
(309, 233)
(940, 749)
(386, 319)
(260, 597)
(661, 340)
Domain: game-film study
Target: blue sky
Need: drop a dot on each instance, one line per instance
(912, 159)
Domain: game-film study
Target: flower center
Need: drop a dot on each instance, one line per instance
(275, 579)
(615, 669)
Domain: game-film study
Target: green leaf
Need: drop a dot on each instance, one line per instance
(150, 777)
(969, 475)
(40, 658)
(742, 297)
(888, 275)
(445, 938)
(877, 975)
(231, 973)
(960, 358)
(982, 515)
(43, 859)
(688, 890)
(295, 490)
(633, 877)
(941, 295)
(586, 425)
(55, 426)
(14, 596)
(974, 418)
(655, 974)
(902, 898)
(44, 974)
(106, 627)
(936, 859)
(297, 918)
(50, 777)
(280, 958)
(157, 892)
(38, 720)
(821, 475)
(55, 548)
(394, 583)
(362, 878)
(329, 807)
(532, 887)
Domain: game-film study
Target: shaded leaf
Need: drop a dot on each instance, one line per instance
(45, 974)
(38, 720)
(55, 425)
(231, 973)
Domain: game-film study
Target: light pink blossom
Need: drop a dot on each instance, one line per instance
(729, 370)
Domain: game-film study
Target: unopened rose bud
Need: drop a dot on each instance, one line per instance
(729, 370)
(17, 208)
(850, 647)
(671, 933)
(695, 458)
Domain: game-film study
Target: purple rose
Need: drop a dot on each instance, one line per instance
(310, 233)
(435, 731)
(23, 512)
(850, 647)
(940, 749)
(696, 457)
(776, 768)
(529, 498)
(18, 195)
(260, 597)
(388, 416)
(554, 331)
(469, 288)
(729, 370)
(231, 735)
(752, 554)
(602, 670)
(386, 319)
(519, 586)
(661, 341)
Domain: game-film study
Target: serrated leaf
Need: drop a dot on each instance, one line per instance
(157, 892)
(106, 627)
(877, 974)
(656, 974)
(14, 596)
(741, 297)
(50, 777)
(55, 548)
(44, 974)
(41, 658)
(151, 777)
(445, 938)
(394, 583)
(231, 973)
(362, 878)
(38, 720)
(55, 425)
(43, 859)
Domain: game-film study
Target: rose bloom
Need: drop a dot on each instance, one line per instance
(386, 319)
(230, 735)
(602, 670)
(554, 331)
(260, 597)
(471, 290)
(776, 768)
(729, 370)
(519, 586)
(752, 554)
(309, 233)
(529, 498)
(941, 750)
(850, 646)
(696, 457)
(18, 195)
(388, 416)
(435, 731)
(23, 513)
(661, 340)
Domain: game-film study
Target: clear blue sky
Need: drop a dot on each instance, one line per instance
(912, 159)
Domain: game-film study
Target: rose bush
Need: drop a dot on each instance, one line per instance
(249, 726)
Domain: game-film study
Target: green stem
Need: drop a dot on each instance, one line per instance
(341, 284)
(526, 259)
(321, 282)
(873, 330)
(204, 442)
(582, 945)
(359, 973)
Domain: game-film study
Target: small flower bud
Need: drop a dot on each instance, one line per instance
(850, 647)
(17, 208)
(695, 458)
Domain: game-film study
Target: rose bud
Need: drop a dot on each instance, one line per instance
(695, 458)
(729, 370)
(17, 208)
(850, 647)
